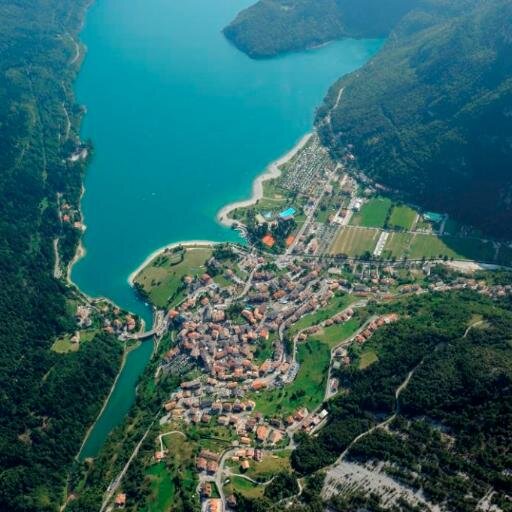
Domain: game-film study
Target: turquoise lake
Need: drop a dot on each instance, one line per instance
(181, 123)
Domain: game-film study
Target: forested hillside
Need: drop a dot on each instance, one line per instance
(271, 27)
(47, 400)
(431, 115)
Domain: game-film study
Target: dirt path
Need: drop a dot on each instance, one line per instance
(57, 271)
(384, 423)
(474, 324)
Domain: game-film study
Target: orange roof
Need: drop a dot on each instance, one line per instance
(261, 432)
(258, 384)
(121, 499)
(289, 240)
(268, 240)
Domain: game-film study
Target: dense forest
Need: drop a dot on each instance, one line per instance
(271, 27)
(429, 115)
(47, 400)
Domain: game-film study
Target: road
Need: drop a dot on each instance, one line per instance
(306, 224)
(329, 393)
(159, 328)
(112, 488)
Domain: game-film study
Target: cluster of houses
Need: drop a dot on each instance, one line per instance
(70, 215)
(224, 342)
(101, 313)
(223, 330)
(303, 173)
(373, 326)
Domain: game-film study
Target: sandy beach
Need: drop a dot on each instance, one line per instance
(154, 254)
(271, 172)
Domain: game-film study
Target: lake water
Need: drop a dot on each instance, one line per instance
(181, 124)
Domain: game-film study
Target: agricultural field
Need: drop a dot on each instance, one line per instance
(397, 245)
(307, 390)
(431, 246)
(355, 242)
(402, 218)
(417, 246)
(373, 214)
(162, 278)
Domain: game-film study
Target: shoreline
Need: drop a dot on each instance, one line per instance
(157, 252)
(271, 172)
(105, 403)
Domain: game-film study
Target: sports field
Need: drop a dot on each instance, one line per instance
(431, 246)
(397, 245)
(373, 214)
(354, 241)
(402, 217)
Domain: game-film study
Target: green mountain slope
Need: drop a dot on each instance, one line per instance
(47, 400)
(431, 114)
(271, 27)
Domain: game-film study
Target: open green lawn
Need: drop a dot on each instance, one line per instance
(264, 349)
(244, 487)
(162, 489)
(162, 278)
(373, 214)
(64, 345)
(308, 387)
(336, 304)
(354, 241)
(402, 217)
(337, 333)
(271, 464)
(367, 358)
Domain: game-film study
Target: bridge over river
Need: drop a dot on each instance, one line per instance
(160, 326)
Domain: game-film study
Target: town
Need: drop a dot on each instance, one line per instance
(244, 338)
(257, 332)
